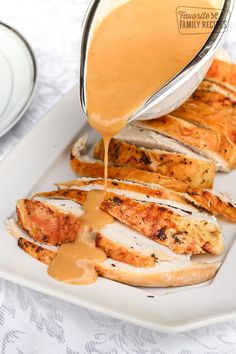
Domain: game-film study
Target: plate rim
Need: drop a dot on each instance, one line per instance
(35, 77)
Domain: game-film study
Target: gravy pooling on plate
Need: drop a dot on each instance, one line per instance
(75, 262)
(132, 53)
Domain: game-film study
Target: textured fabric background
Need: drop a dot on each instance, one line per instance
(34, 323)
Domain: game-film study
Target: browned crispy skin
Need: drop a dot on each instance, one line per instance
(223, 73)
(45, 223)
(199, 137)
(87, 169)
(182, 235)
(96, 170)
(213, 204)
(40, 253)
(199, 196)
(181, 167)
(76, 195)
(210, 109)
(161, 193)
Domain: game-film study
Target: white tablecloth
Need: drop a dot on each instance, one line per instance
(34, 323)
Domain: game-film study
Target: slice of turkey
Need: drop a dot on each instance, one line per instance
(206, 142)
(146, 138)
(163, 274)
(196, 172)
(223, 73)
(209, 108)
(84, 165)
(214, 87)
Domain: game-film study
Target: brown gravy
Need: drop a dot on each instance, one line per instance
(75, 262)
(93, 215)
(133, 52)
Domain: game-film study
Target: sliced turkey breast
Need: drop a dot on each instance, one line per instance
(202, 198)
(223, 73)
(213, 87)
(206, 142)
(131, 189)
(137, 191)
(40, 253)
(83, 165)
(117, 240)
(182, 234)
(164, 274)
(211, 109)
(173, 227)
(216, 203)
(196, 172)
(152, 140)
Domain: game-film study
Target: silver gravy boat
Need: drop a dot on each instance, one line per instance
(180, 87)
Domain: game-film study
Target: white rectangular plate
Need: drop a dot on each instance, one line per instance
(41, 159)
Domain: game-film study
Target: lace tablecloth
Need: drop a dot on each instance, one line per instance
(31, 322)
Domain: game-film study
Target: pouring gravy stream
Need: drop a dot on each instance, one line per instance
(133, 52)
